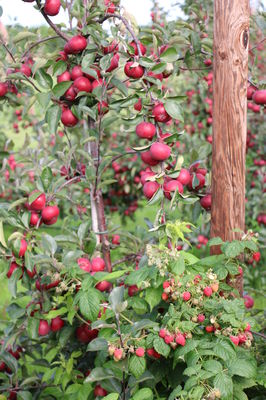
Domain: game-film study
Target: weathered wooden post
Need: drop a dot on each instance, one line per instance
(230, 48)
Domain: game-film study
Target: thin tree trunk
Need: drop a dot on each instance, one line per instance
(230, 48)
(97, 212)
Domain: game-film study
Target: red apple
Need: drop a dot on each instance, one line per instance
(145, 130)
(39, 203)
(44, 328)
(52, 7)
(147, 158)
(3, 89)
(184, 176)
(77, 44)
(160, 151)
(206, 202)
(150, 188)
(50, 215)
(84, 264)
(64, 77)
(57, 324)
(82, 84)
(136, 52)
(133, 70)
(159, 113)
(259, 97)
(68, 118)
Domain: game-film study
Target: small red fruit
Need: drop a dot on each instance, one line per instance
(162, 333)
(256, 256)
(77, 44)
(23, 248)
(201, 318)
(57, 324)
(136, 52)
(248, 300)
(116, 240)
(138, 105)
(76, 72)
(103, 286)
(160, 151)
(259, 96)
(186, 296)
(153, 353)
(234, 339)
(3, 89)
(52, 7)
(99, 391)
(171, 186)
(12, 268)
(34, 218)
(159, 113)
(184, 176)
(145, 130)
(140, 352)
(118, 354)
(39, 203)
(206, 202)
(209, 328)
(68, 118)
(150, 188)
(132, 290)
(97, 264)
(207, 291)
(147, 158)
(82, 84)
(180, 339)
(64, 77)
(84, 264)
(168, 339)
(50, 215)
(44, 328)
(133, 70)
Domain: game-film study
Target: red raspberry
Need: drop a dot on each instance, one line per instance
(165, 296)
(180, 339)
(140, 352)
(256, 256)
(162, 333)
(234, 339)
(168, 339)
(207, 291)
(209, 328)
(166, 284)
(201, 318)
(186, 296)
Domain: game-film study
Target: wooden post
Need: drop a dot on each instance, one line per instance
(230, 49)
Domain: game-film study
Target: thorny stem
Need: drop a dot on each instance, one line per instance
(52, 25)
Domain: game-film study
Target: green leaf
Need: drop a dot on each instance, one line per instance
(178, 266)
(23, 35)
(46, 177)
(23, 395)
(213, 366)
(43, 79)
(9, 360)
(116, 298)
(89, 304)
(111, 396)
(52, 117)
(138, 304)
(83, 230)
(49, 243)
(243, 367)
(224, 383)
(60, 88)
(143, 394)
(175, 393)
(174, 110)
(99, 374)
(43, 99)
(169, 55)
(215, 241)
(97, 345)
(233, 249)
(87, 60)
(32, 328)
(2, 235)
(137, 365)
(153, 296)
(120, 86)
(161, 347)
(239, 394)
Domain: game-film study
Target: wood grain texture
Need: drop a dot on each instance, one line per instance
(230, 48)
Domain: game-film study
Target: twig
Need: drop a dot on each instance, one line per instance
(125, 22)
(37, 44)
(129, 257)
(259, 334)
(7, 50)
(252, 48)
(52, 25)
